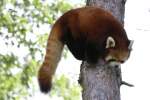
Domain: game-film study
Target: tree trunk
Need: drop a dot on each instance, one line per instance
(116, 7)
(102, 81)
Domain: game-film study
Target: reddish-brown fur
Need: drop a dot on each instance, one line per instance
(85, 32)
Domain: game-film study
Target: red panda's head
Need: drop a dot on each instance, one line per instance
(118, 52)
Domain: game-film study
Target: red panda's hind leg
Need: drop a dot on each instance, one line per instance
(77, 48)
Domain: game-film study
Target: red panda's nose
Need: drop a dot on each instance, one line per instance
(122, 61)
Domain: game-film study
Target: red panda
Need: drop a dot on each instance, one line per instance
(90, 33)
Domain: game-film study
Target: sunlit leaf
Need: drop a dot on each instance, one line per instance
(20, 23)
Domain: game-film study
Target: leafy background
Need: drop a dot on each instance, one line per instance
(24, 29)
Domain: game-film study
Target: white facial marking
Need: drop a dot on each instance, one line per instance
(108, 58)
(114, 63)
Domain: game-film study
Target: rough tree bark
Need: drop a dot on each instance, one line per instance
(116, 7)
(102, 81)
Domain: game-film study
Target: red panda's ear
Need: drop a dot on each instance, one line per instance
(130, 44)
(110, 42)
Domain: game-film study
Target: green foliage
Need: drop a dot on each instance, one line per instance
(24, 28)
(65, 89)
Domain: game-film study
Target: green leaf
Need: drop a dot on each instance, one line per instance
(19, 20)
